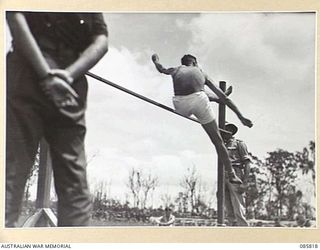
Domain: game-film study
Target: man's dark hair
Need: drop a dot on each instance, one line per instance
(187, 58)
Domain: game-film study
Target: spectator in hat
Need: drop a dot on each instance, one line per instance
(235, 193)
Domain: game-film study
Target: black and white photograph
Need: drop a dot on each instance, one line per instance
(160, 119)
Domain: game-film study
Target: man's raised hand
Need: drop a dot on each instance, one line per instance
(246, 122)
(155, 58)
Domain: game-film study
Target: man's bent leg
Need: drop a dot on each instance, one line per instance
(69, 167)
(213, 131)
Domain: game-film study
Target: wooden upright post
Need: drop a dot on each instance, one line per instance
(44, 177)
(221, 173)
(43, 217)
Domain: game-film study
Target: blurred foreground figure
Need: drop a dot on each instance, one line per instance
(46, 97)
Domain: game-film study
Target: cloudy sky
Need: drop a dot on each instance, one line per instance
(268, 58)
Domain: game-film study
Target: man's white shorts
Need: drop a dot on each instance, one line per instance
(196, 104)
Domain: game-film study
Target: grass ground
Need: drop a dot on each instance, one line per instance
(125, 223)
(101, 223)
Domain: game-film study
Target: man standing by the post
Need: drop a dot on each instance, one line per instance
(234, 193)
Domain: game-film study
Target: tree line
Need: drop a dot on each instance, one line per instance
(272, 192)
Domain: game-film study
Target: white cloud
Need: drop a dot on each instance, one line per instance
(245, 50)
(269, 59)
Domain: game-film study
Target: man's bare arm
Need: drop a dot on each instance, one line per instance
(92, 54)
(26, 45)
(225, 100)
(87, 60)
(159, 67)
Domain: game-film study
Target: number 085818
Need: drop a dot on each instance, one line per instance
(308, 246)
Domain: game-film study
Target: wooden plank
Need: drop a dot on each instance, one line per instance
(45, 176)
(43, 217)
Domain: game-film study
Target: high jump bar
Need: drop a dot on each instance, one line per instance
(128, 91)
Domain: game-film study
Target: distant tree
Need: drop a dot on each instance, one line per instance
(282, 167)
(101, 199)
(211, 195)
(140, 186)
(166, 200)
(204, 197)
(148, 183)
(306, 162)
(294, 203)
(189, 183)
(135, 185)
(182, 202)
(102, 190)
(258, 189)
(272, 183)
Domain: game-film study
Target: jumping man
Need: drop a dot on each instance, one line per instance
(190, 98)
